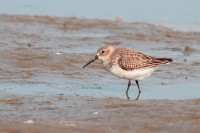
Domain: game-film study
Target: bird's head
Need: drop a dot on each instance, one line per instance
(102, 54)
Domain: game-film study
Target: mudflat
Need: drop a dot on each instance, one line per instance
(44, 88)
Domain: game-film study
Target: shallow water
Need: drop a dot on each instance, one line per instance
(170, 12)
(179, 91)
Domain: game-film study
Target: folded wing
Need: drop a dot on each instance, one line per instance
(136, 60)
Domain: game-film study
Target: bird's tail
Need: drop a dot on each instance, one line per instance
(161, 61)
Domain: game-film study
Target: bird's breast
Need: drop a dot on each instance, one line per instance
(136, 74)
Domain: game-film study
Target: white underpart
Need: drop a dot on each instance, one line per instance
(137, 74)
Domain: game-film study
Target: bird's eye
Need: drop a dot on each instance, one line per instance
(102, 52)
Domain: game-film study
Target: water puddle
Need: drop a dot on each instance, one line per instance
(86, 34)
(172, 92)
(39, 89)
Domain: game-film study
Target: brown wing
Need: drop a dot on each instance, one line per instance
(136, 60)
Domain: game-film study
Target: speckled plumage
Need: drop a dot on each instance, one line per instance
(129, 59)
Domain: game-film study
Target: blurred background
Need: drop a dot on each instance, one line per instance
(170, 12)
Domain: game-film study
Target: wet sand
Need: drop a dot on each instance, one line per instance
(42, 77)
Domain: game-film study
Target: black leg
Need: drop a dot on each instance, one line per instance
(129, 84)
(138, 89)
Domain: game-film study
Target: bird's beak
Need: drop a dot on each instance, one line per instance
(92, 60)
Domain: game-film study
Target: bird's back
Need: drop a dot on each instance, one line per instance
(130, 59)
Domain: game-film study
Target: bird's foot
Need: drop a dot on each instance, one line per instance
(138, 95)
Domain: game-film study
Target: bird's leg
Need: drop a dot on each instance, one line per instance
(129, 84)
(138, 89)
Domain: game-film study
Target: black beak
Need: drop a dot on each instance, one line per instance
(92, 60)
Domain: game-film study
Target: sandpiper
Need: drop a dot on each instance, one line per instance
(128, 64)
